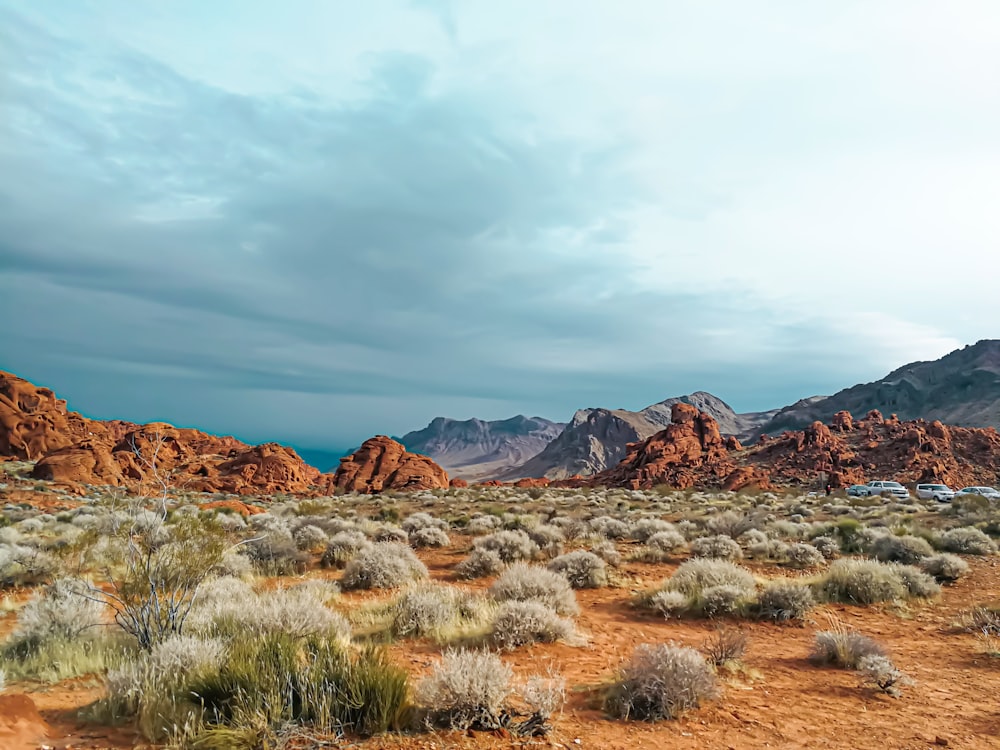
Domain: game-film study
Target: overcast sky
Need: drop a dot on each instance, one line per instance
(318, 221)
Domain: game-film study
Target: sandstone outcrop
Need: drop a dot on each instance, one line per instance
(382, 464)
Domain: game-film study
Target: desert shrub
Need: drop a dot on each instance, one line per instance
(607, 551)
(63, 610)
(343, 547)
(731, 524)
(3, 680)
(670, 604)
(785, 600)
(233, 564)
(384, 565)
(861, 582)
(421, 520)
(521, 623)
(522, 582)
(276, 554)
(24, 565)
(828, 546)
(661, 682)
(725, 646)
(644, 528)
(801, 556)
(902, 549)
(583, 570)
(466, 690)
(310, 538)
(719, 547)
(721, 601)
(389, 533)
(609, 528)
(879, 671)
(433, 610)
(944, 567)
(967, 540)
(509, 545)
(848, 533)
(479, 564)
(843, 648)
(693, 576)
(429, 536)
(483, 524)
(548, 538)
(661, 545)
(917, 583)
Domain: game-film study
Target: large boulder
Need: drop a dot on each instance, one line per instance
(382, 464)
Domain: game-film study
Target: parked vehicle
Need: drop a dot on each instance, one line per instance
(988, 492)
(882, 487)
(858, 490)
(940, 492)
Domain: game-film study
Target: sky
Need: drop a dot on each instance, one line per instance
(316, 221)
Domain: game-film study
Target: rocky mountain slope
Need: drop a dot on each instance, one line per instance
(474, 449)
(961, 388)
(596, 439)
(692, 451)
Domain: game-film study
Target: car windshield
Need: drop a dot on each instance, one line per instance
(935, 487)
(892, 484)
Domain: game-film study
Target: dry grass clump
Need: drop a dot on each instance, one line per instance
(661, 682)
(644, 528)
(522, 583)
(709, 588)
(510, 545)
(801, 556)
(843, 648)
(385, 565)
(967, 540)
(694, 576)
(725, 646)
(583, 570)
(521, 623)
(659, 547)
(868, 582)
(429, 537)
(828, 546)
(881, 673)
(782, 601)
(732, 524)
(310, 538)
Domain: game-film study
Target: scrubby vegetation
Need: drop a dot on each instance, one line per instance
(209, 629)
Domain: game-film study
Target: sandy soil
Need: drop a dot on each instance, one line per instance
(779, 700)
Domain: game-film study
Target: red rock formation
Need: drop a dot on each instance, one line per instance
(689, 451)
(34, 422)
(383, 464)
(233, 505)
(686, 454)
(458, 483)
(532, 482)
(843, 421)
(152, 457)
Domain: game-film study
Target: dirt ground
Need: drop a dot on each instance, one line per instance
(778, 700)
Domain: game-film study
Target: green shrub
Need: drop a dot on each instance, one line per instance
(865, 582)
(661, 682)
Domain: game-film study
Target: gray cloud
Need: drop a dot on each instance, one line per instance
(175, 250)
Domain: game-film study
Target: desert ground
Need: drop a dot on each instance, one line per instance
(64, 689)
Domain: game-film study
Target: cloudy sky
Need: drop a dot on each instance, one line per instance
(316, 221)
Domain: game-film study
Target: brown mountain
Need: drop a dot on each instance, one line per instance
(476, 449)
(692, 451)
(961, 388)
(596, 439)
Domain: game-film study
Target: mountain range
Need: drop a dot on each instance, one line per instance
(962, 388)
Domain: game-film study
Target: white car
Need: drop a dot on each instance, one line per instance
(987, 492)
(940, 492)
(881, 487)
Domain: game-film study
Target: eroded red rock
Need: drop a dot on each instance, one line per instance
(382, 464)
